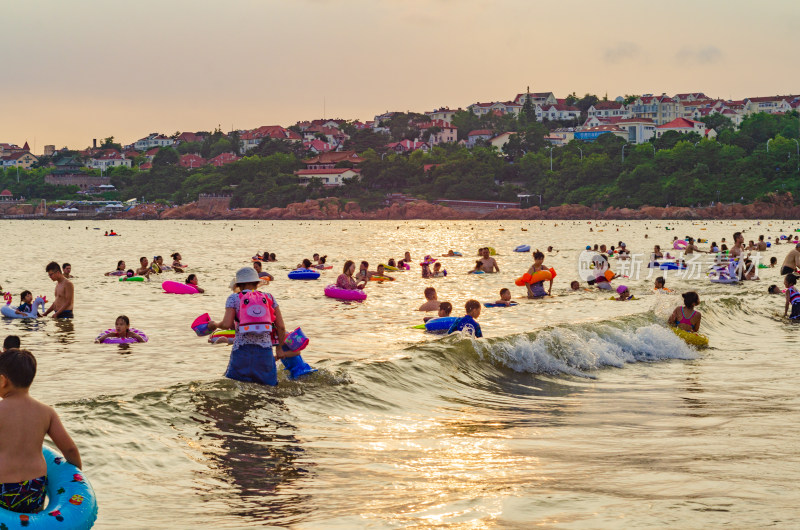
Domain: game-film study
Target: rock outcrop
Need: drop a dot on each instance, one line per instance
(773, 207)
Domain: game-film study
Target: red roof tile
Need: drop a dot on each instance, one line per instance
(326, 171)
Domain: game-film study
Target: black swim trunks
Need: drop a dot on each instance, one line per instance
(66, 314)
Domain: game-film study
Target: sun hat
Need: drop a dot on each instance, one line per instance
(247, 275)
(621, 289)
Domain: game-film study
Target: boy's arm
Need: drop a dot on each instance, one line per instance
(61, 438)
(786, 309)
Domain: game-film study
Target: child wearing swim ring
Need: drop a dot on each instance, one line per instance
(679, 318)
(536, 290)
(624, 294)
(468, 321)
(176, 262)
(24, 422)
(122, 331)
(660, 285)
(478, 268)
(792, 297)
(27, 300)
(192, 280)
(505, 297)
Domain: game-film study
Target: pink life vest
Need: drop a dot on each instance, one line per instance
(255, 312)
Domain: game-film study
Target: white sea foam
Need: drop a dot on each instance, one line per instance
(578, 351)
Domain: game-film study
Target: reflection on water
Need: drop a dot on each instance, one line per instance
(246, 442)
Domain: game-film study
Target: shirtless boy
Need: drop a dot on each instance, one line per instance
(23, 425)
(488, 263)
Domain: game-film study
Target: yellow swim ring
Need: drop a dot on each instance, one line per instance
(691, 338)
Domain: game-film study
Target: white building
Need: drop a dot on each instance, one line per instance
(153, 140)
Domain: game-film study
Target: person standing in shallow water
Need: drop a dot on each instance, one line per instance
(65, 293)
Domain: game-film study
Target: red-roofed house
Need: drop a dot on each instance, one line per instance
(661, 109)
(407, 146)
(251, 139)
(537, 98)
(153, 140)
(109, 158)
(224, 158)
(482, 109)
(331, 158)
(447, 133)
(333, 135)
(318, 146)
(192, 161)
(608, 109)
(190, 137)
(690, 96)
(557, 112)
(683, 126)
(477, 135)
(6, 195)
(444, 114)
(329, 176)
(146, 166)
(21, 159)
(771, 104)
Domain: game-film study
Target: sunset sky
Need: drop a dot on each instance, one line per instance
(89, 69)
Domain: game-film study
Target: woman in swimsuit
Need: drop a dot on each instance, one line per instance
(686, 318)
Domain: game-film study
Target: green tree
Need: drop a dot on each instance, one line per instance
(166, 156)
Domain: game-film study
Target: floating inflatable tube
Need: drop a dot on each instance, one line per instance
(694, 339)
(724, 280)
(71, 502)
(332, 291)
(303, 274)
(523, 248)
(671, 267)
(222, 335)
(132, 279)
(178, 288)
(680, 244)
(439, 325)
(536, 277)
(9, 311)
(117, 340)
(487, 304)
(380, 279)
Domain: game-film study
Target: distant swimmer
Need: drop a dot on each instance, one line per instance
(120, 270)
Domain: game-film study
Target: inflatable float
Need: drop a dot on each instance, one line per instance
(178, 288)
(132, 279)
(680, 244)
(669, 266)
(439, 325)
(691, 338)
(493, 304)
(380, 279)
(303, 274)
(332, 291)
(536, 277)
(523, 248)
(10, 312)
(117, 340)
(71, 502)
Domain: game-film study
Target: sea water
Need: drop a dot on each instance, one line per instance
(573, 412)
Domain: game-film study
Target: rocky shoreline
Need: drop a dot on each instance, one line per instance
(775, 207)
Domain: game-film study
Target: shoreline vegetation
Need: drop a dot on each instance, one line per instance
(750, 171)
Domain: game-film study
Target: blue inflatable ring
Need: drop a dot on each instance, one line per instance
(439, 325)
(71, 505)
(523, 248)
(303, 274)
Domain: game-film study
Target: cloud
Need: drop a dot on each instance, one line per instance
(621, 52)
(704, 55)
